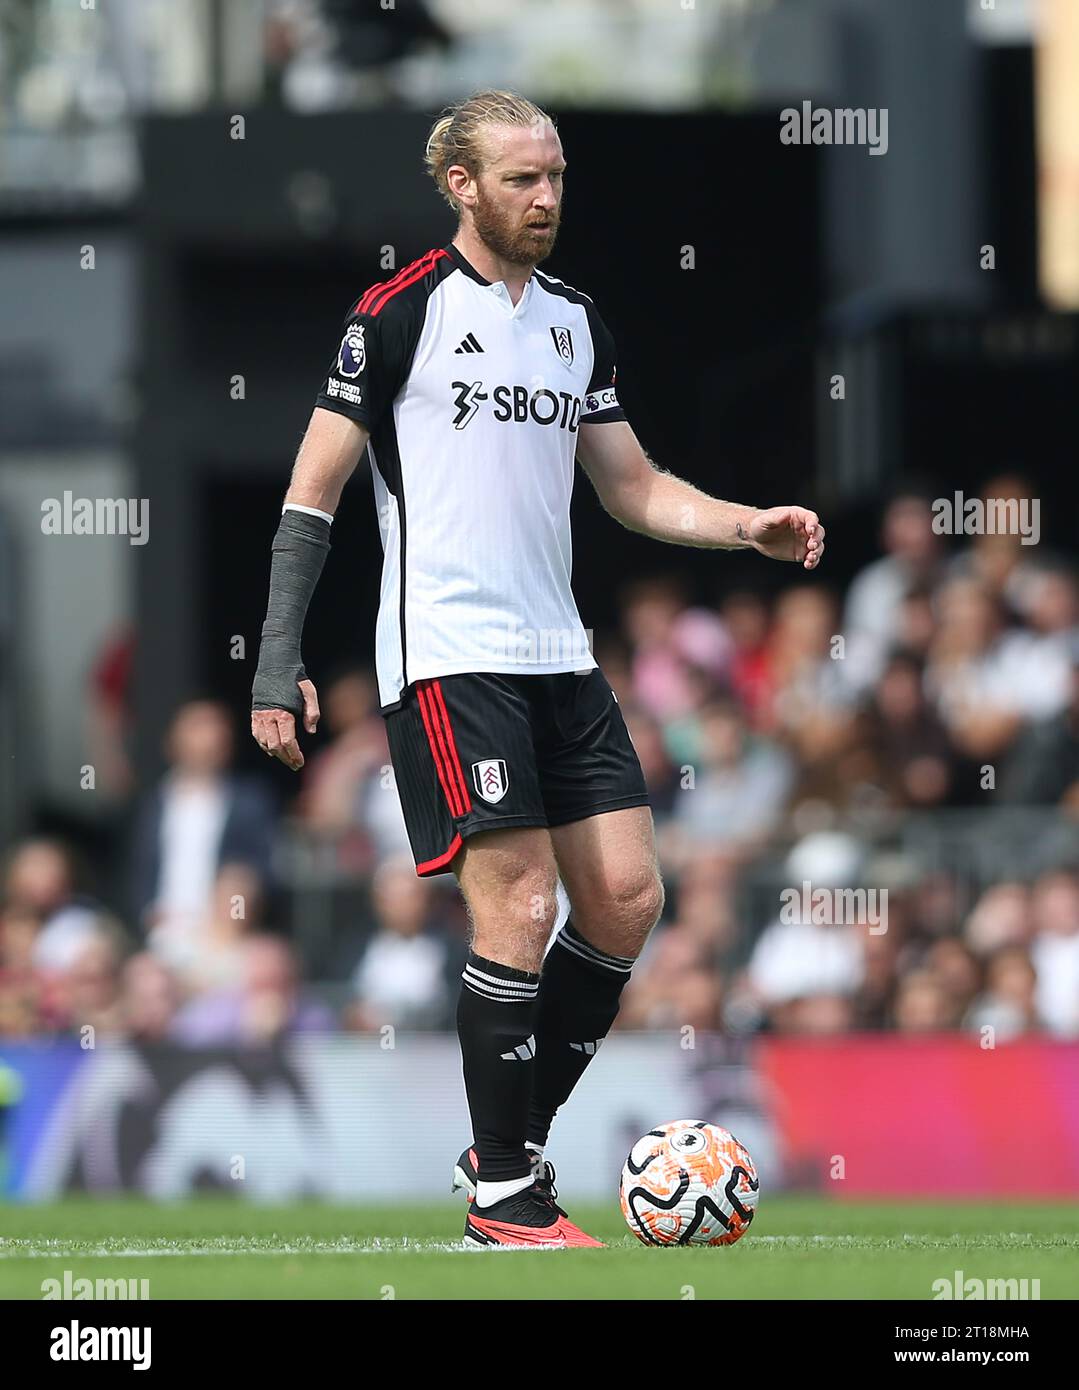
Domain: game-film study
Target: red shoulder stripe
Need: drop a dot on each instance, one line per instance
(422, 268)
(387, 288)
(369, 294)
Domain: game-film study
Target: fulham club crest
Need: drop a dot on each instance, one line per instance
(563, 344)
(490, 779)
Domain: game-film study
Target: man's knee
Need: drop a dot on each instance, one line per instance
(644, 903)
(618, 916)
(512, 900)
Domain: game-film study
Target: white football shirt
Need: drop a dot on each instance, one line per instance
(473, 405)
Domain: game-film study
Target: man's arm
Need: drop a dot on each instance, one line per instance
(652, 501)
(328, 456)
(281, 692)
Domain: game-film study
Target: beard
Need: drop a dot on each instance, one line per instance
(510, 239)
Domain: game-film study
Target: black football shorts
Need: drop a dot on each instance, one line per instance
(483, 751)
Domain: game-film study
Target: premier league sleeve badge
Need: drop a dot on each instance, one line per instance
(352, 357)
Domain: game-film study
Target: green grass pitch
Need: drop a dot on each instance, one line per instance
(798, 1247)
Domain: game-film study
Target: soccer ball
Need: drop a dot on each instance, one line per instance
(688, 1183)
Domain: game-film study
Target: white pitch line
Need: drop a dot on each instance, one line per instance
(13, 1250)
(195, 1253)
(23, 1249)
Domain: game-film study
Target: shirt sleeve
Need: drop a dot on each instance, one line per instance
(601, 401)
(371, 364)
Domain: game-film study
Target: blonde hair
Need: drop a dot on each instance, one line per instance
(454, 137)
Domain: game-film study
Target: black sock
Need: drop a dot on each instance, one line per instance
(578, 1001)
(496, 1026)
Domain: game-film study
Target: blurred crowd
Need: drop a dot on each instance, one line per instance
(787, 740)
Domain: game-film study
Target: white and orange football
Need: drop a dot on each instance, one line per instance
(688, 1183)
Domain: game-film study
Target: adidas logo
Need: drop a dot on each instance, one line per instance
(591, 1048)
(522, 1053)
(469, 344)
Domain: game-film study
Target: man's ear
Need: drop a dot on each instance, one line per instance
(461, 184)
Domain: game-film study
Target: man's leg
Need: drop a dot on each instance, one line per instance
(608, 865)
(508, 878)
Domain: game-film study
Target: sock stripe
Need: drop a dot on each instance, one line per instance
(499, 989)
(522, 987)
(501, 996)
(580, 947)
(501, 983)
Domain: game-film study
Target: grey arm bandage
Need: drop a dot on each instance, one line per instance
(299, 552)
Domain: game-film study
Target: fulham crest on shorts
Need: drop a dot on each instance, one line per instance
(490, 779)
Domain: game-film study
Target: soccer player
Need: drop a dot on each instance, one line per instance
(473, 381)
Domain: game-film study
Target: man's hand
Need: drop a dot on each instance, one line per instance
(787, 533)
(274, 730)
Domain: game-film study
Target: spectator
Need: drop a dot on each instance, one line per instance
(910, 747)
(999, 561)
(797, 957)
(799, 960)
(1001, 917)
(984, 680)
(1008, 1005)
(349, 790)
(212, 957)
(661, 776)
(266, 1006)
(957, 970)
(922, 1004)
(738, 793)
(40, 883)
(704, 903)
(22, 1006)
(39, 878)
(874, 1001)
(198, 817)
(872, 615)
(917, 622)
(1043, 768)
(674, 985)
(406, 975)
(935, 907)
(682, 733)
(90, 990)
(812, 705)
(149, 999)
(671, 644)
(58, 942)
(1051, 607)
(1055, 951)
(746, 618)
(815, 1015)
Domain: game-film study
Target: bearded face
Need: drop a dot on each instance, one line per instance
(521, 237)
(518, 192)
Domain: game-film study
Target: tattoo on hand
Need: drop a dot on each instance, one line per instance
(740, 531)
